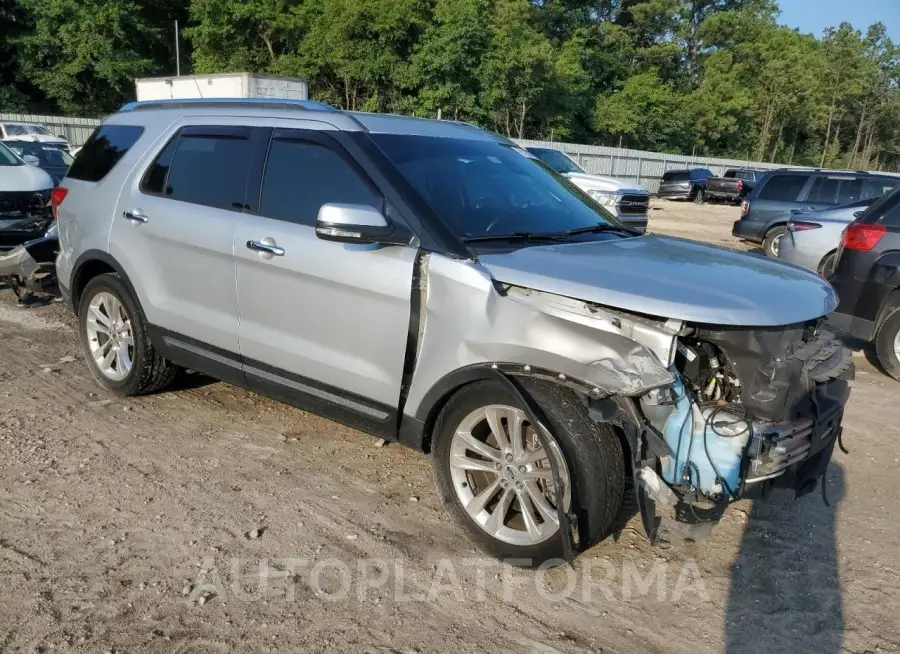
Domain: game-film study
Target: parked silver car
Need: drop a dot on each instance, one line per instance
(812, 237)
(434, 284)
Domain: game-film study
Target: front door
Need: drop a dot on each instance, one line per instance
(322, 323)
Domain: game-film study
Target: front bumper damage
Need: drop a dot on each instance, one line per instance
(750, 410)
(31, 268)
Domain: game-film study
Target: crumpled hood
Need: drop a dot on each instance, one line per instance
(670, 278)
(598, 183)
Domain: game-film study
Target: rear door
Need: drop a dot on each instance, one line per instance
(321, 322)
(174, 232)
(779, 194)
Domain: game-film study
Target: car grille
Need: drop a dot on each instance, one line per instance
(633, 204)
(21, 203)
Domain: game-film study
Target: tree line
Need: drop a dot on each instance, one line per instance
(711, 77)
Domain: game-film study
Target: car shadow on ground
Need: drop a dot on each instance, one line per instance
(785, 579)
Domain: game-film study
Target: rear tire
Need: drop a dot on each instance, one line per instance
(593, 460)
(887, 344)
(773, 239)
(700, 196)
(140, 369)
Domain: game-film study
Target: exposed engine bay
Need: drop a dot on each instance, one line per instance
(750, 409)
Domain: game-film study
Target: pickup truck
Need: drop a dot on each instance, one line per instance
(733, 186)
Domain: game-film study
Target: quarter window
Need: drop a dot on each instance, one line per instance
(301, 176)
(103, 150)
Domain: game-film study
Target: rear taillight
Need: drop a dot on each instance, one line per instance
(740, 187)
(800, 226)
(860, 236)
(57, 195)
(745, 208)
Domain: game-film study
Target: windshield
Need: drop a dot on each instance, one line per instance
(484, 188)
(22, 129)
(7, 158)
(46, 155)
(556, 160)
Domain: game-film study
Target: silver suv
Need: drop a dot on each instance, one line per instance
(432, 283)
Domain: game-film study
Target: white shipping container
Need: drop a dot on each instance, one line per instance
(229, 85)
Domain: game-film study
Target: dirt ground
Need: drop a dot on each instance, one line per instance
(209, 519)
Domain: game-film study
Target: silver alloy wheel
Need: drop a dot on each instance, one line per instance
(897, 345)
(776, 244)
(502, 478)
(110, 336)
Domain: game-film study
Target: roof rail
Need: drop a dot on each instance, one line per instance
(278, 103)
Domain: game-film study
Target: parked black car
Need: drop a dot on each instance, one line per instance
(52, 159)
(765, 212)
(733, 186)
(867, 280)
(683, 184)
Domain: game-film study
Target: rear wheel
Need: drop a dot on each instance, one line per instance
(494, 475)
(826, 265)
(700, 196)
(115, 341)
(772, 242)
(887, 344)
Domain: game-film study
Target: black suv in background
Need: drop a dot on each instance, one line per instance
(683, 184)
(767, 209)
(867, 280)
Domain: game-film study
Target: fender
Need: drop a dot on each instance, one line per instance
(92, 260)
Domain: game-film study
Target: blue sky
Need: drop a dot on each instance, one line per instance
(815, 15)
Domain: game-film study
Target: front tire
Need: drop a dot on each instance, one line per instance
(115, 341)
(773, 240)
(887, 344)
(494, 477)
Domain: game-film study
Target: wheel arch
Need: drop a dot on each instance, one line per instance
(91, 264)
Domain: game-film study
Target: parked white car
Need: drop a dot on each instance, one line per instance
(627, 202)
(31, 132)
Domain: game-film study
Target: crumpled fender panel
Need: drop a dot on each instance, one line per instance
(466, 321)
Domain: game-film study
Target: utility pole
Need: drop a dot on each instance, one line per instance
(177, 53)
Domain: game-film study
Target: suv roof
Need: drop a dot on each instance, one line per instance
(351, 121)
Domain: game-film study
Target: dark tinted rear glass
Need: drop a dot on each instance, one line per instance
(729, 174)
(103, 149)
(885, 210)
(210, 170)
(783, 187)
(701, 173)
(677, 176)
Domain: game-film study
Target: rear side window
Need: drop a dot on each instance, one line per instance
(729, 174)
(824, 190)
(878, 186)
(301, 176)
(102, 151)
(208, 166)
(783, 187)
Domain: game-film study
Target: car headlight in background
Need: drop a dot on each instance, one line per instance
(606, 198)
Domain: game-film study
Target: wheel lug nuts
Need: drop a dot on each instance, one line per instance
(520, 485)
(504, 483)
(523, 469)
(497, 466)
(509, 458)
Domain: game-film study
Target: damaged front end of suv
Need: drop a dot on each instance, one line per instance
(720, 388)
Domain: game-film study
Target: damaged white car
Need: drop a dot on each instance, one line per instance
(431, 283)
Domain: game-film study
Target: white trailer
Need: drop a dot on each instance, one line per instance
(228, 85)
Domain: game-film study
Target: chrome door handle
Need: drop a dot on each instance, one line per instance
(268, 248)
(135, 216)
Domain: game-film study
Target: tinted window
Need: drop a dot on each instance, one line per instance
(103, 149)
(824, 190)
(874, 187)
(155, 178)
(677, 176)
(731, 173)
(783, 187)
(885, 209)
(486, 188)
(210, 169)
(557, 160)
(301, 176)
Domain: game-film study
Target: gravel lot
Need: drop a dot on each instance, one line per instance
(210, 519)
